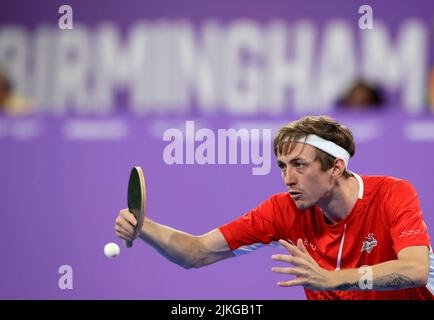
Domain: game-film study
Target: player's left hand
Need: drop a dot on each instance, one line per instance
(306, 270)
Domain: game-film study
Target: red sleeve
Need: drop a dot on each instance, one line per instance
(405, 215)
(256, 227)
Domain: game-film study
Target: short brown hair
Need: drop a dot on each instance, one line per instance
(322, 126)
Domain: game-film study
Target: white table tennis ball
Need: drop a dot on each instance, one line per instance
(111, 250)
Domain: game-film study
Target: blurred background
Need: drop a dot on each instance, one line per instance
(89, 91)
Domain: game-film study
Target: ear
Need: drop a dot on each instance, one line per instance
(338, 168)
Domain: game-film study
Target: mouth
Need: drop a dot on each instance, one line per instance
(296, 195)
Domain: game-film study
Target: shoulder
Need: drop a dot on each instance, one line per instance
(280, 197)
(281, 200)
(393, 196)
(397, 187)
(283, 206)
(276, 204)
(388, 186)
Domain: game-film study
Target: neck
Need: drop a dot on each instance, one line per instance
(340, 200)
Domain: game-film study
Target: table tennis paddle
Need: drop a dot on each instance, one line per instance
(136, 198)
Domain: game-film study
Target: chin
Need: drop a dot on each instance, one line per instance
(303, 205)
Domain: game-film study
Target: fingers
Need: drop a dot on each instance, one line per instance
(296, 261)
(124, 235)
(301, 246)
(123, 231)
(304, 265)
(286, 245)
(125, 225)
(290, 271)
(128, 216)
(292, 283)
(295, 251)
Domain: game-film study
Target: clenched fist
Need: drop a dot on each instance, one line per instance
(126, 225)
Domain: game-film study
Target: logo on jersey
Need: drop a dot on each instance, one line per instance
(306, 243)
(369, 243)
(411, 233)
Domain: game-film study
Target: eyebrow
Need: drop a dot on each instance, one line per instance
(292, 160)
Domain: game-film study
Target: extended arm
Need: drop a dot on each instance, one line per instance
(408, 271)
(179, 247)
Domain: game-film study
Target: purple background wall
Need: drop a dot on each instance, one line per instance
(59, 197)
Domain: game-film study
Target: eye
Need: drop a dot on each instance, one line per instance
(299, 165)
(282, 166)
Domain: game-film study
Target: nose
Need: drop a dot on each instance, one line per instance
(289, 177)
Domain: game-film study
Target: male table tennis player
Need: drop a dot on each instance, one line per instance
(333, 223)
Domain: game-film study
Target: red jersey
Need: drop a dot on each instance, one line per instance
(385, 219)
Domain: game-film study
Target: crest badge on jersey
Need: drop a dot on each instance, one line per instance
(369, 243)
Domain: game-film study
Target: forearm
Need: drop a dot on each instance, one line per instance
(390, 275)
(177, 246)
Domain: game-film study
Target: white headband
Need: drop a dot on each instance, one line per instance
(327, 146)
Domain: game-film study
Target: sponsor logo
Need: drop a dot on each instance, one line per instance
(369, 243)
